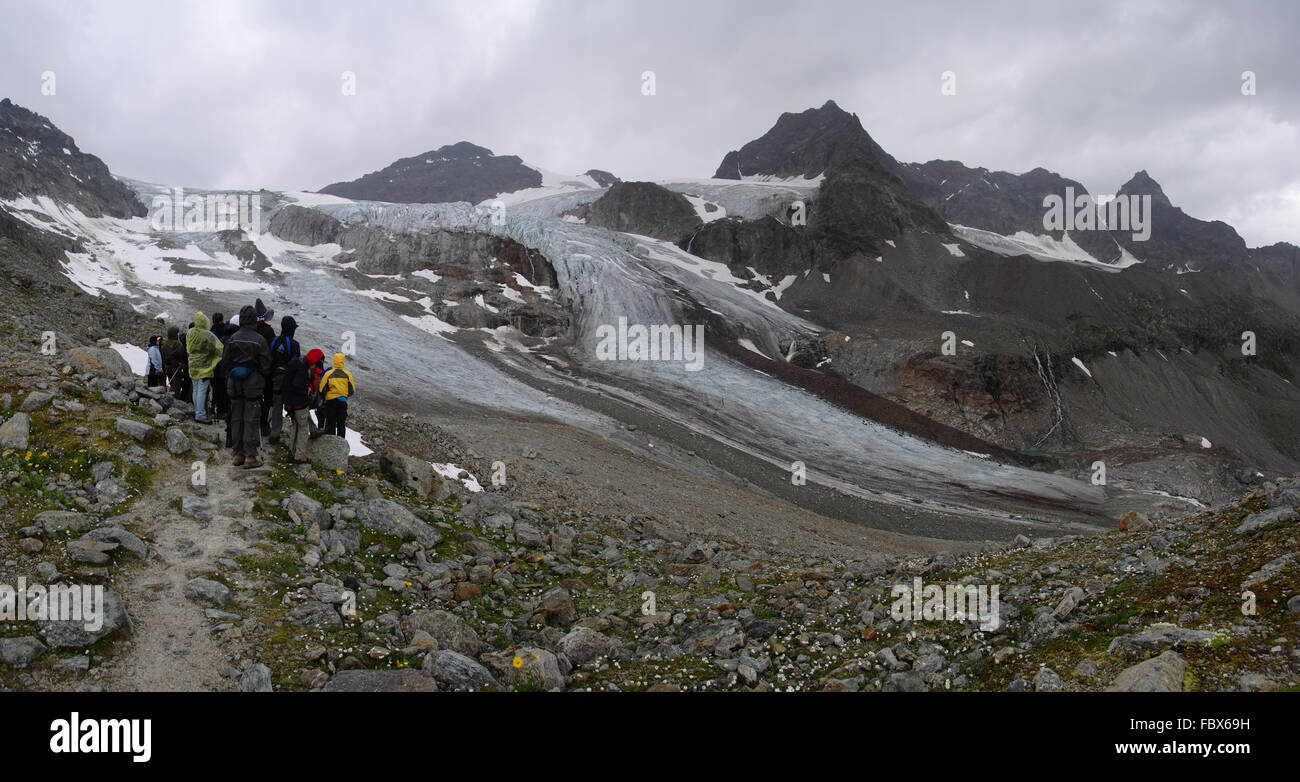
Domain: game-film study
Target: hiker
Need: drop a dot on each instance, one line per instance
(157, 375)
(176, 361)
(296, 391)
(247, 362)
(315, 368)
(336, 387)
(283, 348)
(264, 328)
(220, 403)
(205, 353)
(170, 347)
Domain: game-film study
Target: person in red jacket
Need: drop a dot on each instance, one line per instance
(315, 368)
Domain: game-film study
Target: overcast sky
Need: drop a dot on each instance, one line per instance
(248, 94)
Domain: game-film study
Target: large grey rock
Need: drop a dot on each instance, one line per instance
(329, 452)
(56, 521)
(1158, 638)
(309, 510)
(529, 535)
(556, 607)
(534, 668)
(113, 396)
(415, 474)
(315, 614)
(197, 507)
(109, 491)
(1285, 493)
(207, 589)
(20, 652)
(15, 432)
(345, 541)
(74, 633)
(121, 537)
(450, 631)
(177, 442)
(35, 401)
(104, 361)
(391, 518)
(454, 671)
(141, 431)
(1159, 674)
(1264, 518)
(1068, 603)
(380, 681)
(583, 645)
(1047, 680)
(256, 679)
(95, 552)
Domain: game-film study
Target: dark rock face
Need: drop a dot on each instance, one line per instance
(37, 158)
(1178, 239)
(644, 208)
(861, 202)
(999, 201)
(805, 144)
(305, 226)
(603, 178)
(456, 172)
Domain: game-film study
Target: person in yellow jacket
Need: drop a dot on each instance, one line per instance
(336, 387)
(204, 351)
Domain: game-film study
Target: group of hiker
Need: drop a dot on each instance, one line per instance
(241, 371)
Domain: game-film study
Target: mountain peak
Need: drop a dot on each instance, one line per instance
(463, 171)
(805, 144)
(1140, 184)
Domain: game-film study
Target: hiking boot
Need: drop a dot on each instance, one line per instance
(250, 464)
(237, 461)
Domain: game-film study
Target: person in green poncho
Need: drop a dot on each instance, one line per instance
(205, 353)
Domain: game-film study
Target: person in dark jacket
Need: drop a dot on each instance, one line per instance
(283, 348)
(247, 364)
(176, 364)
(296, 391)
(220, 401)
(264, 328)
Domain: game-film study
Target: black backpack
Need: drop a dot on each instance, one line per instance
(282, 349)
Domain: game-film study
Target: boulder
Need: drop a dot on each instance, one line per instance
(583, 645)
(380, 681)
(207, 589)
(1158, 638)
(20, 652)
(454, 671)
(35, 401)
(390, 518)
(309, 510)
(177, 442)
(450, 631)
(1264, 518)
(534, 668)
(415, 474)
(328, 452)
(141, 431)
(87, 630)
(15, 432)
(103, 361)
(555, 607)
(1159, 674)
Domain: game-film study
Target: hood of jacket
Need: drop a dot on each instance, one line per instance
(338, 360)
(314, 355)
(288, 326)
(248, 318)
(201, 321)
